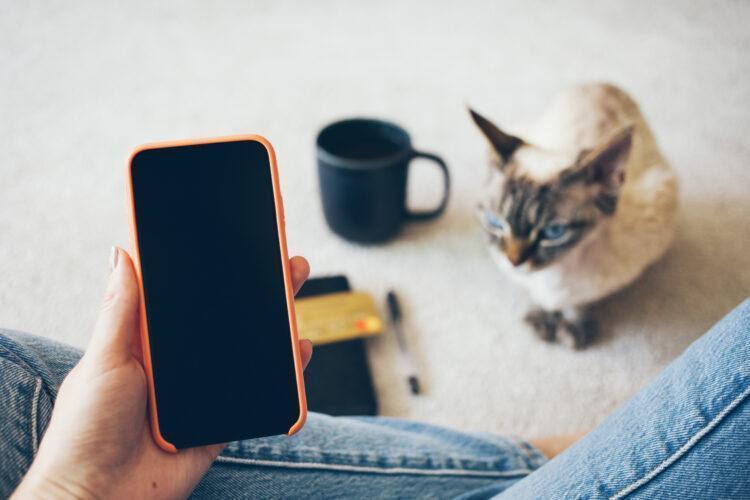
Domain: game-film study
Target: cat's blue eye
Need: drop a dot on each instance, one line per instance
(494, 221)
(554, 231)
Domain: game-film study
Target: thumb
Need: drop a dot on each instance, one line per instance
(117, 325)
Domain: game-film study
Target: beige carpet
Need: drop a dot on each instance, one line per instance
(82, 83)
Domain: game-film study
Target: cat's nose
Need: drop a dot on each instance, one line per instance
(516, 251)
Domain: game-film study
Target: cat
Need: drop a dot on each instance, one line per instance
(578, 206)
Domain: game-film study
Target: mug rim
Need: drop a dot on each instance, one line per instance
(338, 161)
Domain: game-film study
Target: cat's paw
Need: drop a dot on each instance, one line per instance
(579, 333)
(544, 323)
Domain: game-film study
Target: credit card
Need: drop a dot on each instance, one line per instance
(335, 317)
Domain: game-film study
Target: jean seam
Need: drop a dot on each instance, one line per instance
(39, 385)
(373, 469)
(684, 448)
(532, 458)
(13, 358)
(35, 415)
(314, 454)
(274, 450)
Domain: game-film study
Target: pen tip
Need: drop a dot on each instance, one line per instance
(393, 305)
(414, 385)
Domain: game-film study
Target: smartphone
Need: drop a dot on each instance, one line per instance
(218, 332)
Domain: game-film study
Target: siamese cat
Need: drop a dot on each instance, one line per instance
(578, 206)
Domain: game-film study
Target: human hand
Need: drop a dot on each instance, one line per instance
(98, 442)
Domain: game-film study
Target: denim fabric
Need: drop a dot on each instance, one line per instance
(366, 457)
(331, 457)
(684, 436)
(31, 369)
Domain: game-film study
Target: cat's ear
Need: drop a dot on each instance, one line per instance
(603, 168)
(503, 144)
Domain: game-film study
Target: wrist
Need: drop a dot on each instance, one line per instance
(49, 484)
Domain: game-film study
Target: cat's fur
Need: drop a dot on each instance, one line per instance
(592, 163)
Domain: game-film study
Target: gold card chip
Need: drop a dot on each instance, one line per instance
(334, 317)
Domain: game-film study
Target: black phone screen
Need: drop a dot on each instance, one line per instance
(213, 284)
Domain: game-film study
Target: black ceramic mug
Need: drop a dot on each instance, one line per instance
(363, 168)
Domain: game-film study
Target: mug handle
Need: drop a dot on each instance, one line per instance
(431, 214)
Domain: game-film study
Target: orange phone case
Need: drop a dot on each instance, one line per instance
(288, 288)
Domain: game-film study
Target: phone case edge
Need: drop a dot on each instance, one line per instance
(288, 286)
(143, 324)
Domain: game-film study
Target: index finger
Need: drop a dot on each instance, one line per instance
(300, 271)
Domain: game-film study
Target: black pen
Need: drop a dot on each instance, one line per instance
(411, 370)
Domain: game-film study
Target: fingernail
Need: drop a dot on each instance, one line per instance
(114, 257)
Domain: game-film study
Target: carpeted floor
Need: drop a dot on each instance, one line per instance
(82, 83)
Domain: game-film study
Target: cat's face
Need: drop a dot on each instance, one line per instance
(540, 204)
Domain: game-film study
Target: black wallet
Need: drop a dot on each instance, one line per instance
(337, 380)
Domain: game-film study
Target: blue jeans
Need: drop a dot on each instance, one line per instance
(687, 435)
